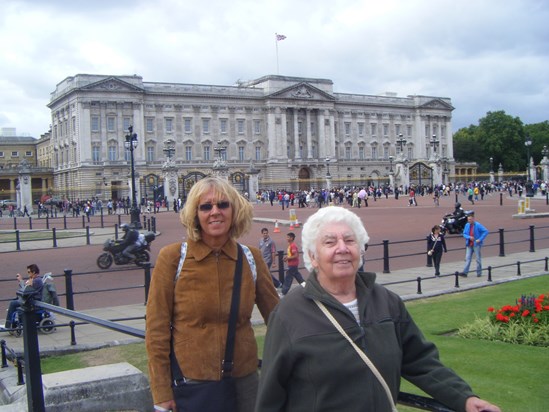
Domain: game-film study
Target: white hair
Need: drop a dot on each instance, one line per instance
(326, 215)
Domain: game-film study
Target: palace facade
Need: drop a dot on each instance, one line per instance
(279, 132)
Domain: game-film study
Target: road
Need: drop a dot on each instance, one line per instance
(385, 219)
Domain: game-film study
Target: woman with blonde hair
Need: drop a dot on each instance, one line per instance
(191, 293)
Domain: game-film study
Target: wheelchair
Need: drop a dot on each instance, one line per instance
(45, 323)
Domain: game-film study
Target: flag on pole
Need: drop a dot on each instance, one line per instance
(279, 37)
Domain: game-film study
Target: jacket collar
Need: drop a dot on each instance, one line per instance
(200, 251)
(364, 282)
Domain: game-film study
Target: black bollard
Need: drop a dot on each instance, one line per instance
(69, 297)
(386, 257)
(17, 240)
(54, 237)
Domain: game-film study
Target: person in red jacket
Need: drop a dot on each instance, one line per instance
(292, 259)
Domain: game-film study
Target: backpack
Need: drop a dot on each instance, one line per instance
(245, 249)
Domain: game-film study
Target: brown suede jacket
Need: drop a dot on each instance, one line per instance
(198, 306)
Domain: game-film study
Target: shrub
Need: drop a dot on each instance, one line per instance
(525, 322)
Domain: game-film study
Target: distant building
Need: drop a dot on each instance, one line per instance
(14, 151)
(289, 131)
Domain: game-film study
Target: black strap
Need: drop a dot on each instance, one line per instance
(227, 363)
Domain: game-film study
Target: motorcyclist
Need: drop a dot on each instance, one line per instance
(458, 211)
(129, 240)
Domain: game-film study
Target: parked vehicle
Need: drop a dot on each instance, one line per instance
(113, 252)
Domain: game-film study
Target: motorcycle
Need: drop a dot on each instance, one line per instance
(453, 224)
(113, 252)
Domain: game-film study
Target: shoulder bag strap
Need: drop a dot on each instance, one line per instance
(227, 363)
(363, 356)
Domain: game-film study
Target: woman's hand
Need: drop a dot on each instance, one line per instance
(168, 406)
(474, 404)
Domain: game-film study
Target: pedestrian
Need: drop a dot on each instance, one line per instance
(292, 259)
(317, 333)
(474, 234)
(25, 211)
(190, 300)
(436, 245)
(470, 193)
(268, 251)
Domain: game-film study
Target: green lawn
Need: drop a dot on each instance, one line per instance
(8, 236)
(515, 377)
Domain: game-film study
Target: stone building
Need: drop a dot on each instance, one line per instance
(275, 132)
(18, 160)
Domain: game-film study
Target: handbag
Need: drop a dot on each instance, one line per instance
(362, 355)
(430, 253)
(211, 396)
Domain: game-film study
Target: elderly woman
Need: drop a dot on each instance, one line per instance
(308, 365)
(193, 311)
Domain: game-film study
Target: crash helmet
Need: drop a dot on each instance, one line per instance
(125, 227)
(458, 205)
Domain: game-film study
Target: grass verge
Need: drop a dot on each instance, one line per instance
(510, 375)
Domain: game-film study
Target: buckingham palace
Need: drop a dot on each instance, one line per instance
(275, 132)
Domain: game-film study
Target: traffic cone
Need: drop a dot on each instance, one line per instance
(276, 229)
(297, 224)
(291, 225)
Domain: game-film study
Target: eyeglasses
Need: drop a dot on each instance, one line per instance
(206, 207)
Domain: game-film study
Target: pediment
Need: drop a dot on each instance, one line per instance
(302, 91)
(437, 104)
(112, 84)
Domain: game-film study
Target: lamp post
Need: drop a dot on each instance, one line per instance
(169, 149)
(434, 143)
(391, 164)
(401, 142)
(545, 162)
(328, 175)
(528, 143)
(131, 145)
(492, 170)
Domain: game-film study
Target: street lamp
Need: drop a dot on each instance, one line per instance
(528, 143)
(491, 165)
(434, 143)
(328, 166)
(131, 145)
(169, 149)
(391, 164)
(401, 142)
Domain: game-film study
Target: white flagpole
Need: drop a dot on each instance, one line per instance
(276, 44)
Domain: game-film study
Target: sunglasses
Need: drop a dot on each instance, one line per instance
(206, 207)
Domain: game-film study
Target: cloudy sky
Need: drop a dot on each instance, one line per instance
(486, 55)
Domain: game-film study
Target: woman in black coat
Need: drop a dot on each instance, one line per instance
(436, 245)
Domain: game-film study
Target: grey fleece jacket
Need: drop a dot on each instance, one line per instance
(308, 366)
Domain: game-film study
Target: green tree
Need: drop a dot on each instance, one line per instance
(539, 133)
(498, 136)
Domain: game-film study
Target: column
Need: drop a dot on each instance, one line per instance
(297, 154)
(283, 137)
(332, 137)
(321, 135)
(271, 132)
(309, 134)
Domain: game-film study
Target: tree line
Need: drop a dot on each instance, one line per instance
(501, 137)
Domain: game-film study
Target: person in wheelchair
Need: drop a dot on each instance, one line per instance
(34, 282)
(49, 291)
